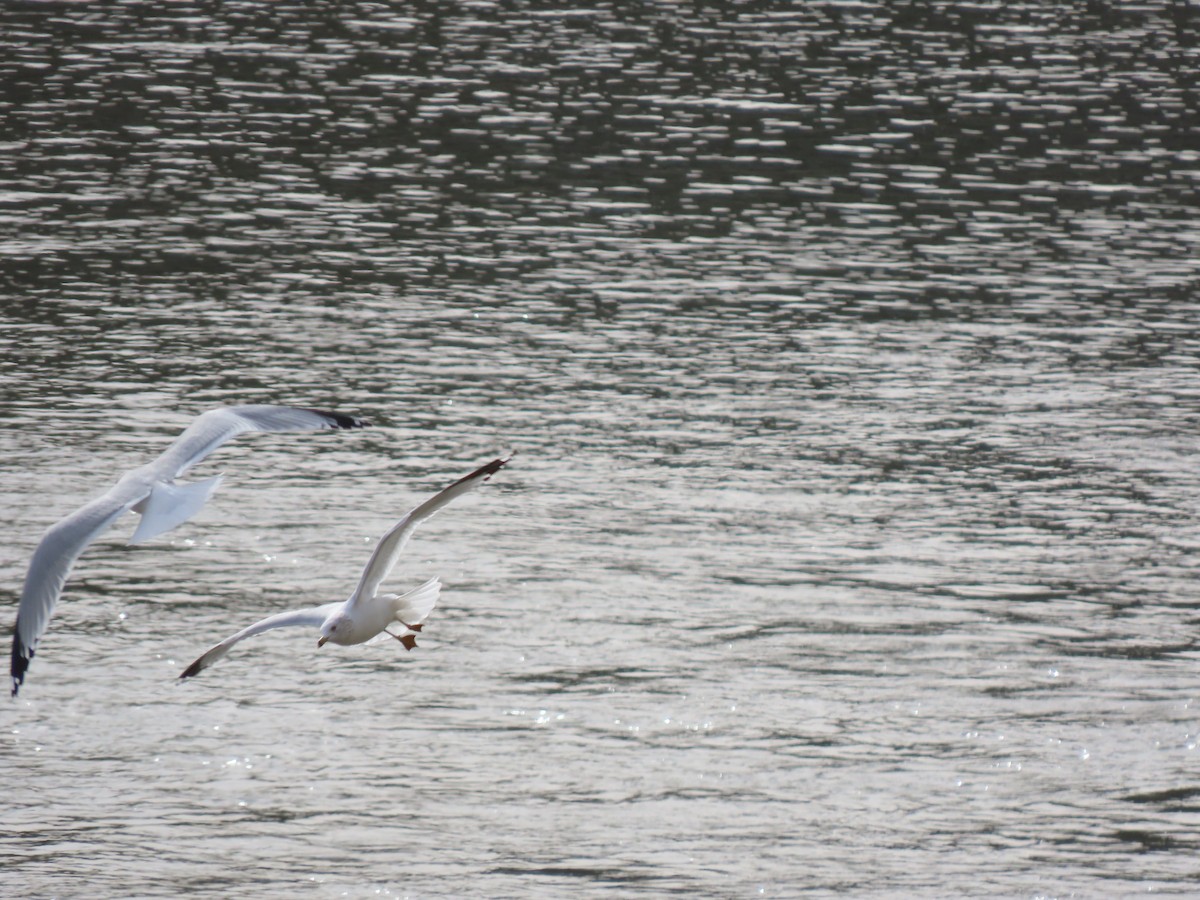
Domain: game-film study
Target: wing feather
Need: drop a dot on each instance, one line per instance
(312, 616)
(64, 541)
(388, 550)
(213, 428)
(51, 564)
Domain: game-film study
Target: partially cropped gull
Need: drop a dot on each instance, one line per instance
(367, 614)
(150, 490)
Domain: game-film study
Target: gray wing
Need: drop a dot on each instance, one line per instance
(387, 551)
(51, 564)
(171, 505)
(213, 428)
(313, 616)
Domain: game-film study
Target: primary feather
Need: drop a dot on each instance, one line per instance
(150, 490)
(367, 614)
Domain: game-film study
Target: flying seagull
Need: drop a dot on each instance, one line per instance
(366, 614)
(152, 491)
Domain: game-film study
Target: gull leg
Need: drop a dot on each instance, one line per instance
(416, 627)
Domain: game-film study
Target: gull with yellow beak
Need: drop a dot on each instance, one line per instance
(367, 614)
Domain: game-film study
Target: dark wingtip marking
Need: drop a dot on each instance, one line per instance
(341, 420)
(21, 655)
(194, 669)
(408, 641)
(485, 471)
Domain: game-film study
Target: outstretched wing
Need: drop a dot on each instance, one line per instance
(313, 616)
(387, 551)
(51, 564)
(213, 428)
(164, 507)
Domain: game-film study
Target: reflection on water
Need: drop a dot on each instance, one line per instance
(850, 355)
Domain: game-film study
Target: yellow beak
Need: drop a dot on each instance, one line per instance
(321, 641)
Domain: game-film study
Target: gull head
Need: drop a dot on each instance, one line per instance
(329, 629)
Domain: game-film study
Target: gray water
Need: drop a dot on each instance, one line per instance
(851, 355)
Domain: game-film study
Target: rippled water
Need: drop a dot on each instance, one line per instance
(850, 352)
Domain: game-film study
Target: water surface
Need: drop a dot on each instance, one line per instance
(850, 358)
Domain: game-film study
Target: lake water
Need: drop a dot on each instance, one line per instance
(851, 356)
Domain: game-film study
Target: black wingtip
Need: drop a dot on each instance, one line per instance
(487, 470)
(21, 655)
(341, 420)
(194, 669)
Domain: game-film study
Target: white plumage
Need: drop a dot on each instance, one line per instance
(366, 614)
(151, 491)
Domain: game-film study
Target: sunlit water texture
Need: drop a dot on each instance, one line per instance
(850, 354)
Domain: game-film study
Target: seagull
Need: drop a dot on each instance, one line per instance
(152, 491)
(366, 614)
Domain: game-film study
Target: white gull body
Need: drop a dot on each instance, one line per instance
(367, 614)
(150, 490)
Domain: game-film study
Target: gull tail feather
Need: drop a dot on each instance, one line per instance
(415, 606)
(169, 505)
